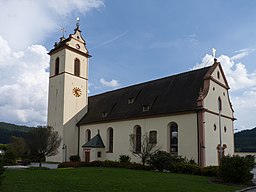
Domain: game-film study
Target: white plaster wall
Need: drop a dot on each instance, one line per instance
(70, 57)
(187, 134)
(64, 109)
(215, 75)
(61, 54)
(55, 111)
(212, 138)
(78, 39)
(216, 91)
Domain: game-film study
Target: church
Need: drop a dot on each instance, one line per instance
(187, 114)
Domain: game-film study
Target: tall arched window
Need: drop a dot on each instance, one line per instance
(87, 135)
(219, 104)
(110, 135)
(153, 137)
(138, 139)
(173, 138)
(57, 66)
(77, 67)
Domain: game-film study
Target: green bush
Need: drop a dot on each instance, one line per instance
(107, 163)
(96, 164)
(138, 166)
(124, 159)
(9, 158)
(165, 161)
(1, 170)
(161, 160)
(70, 164)
(3, 146)
(74, 158)
(210, 171)
(113, 164)
(236, 169)
(187, 168)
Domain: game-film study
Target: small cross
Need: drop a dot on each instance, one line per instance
(77, 22)
(213, 52)
(63, 31)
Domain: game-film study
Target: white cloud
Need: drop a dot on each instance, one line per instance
(64, 7)
(241, 54)
(24, 85)
(25, 22)
(112, 83)
(23, 66)
(242, 84)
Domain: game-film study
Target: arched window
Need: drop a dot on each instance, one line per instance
(173, 138)
(77, 67)
(219, 104)
(57, 66)
(153, 137)
(87, 135)
(110, 135)
(138, 139)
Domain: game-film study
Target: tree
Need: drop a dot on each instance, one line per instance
(147, 147)
(43, 142)
(17, 146)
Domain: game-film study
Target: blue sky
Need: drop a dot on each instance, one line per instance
(131, 42)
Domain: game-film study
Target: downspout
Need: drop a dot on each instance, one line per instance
(78, 143)
(198, 142)
(200, 127)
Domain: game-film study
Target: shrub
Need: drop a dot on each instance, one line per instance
(187, 168)
(138, 166)
(74, 158)
(69, 164)
(96, 164)
(160, 160)
(113, 164)
(210, 171)
(236, 169)
(165, 161)
(9, 158)
(124, 159)
(1, 170)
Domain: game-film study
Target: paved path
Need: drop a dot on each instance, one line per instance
(48, 165)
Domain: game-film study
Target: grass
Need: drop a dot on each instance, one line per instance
(104, 180)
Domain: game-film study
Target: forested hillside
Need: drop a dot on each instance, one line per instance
(245, 141)
(8, 130)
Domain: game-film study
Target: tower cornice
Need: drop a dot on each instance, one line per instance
(65, 46)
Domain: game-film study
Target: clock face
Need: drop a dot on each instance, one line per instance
(77, 92)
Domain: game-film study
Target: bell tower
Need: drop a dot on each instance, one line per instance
(68, 95)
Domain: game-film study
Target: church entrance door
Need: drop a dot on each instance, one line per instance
(87, 156)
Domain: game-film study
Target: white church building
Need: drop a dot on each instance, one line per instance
(187, 114)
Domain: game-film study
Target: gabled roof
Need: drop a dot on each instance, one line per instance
(65, 43)
(95, 142)
(214, 66)
(173, 94)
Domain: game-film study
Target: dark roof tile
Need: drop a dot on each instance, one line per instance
(177, 93)
(95, 142)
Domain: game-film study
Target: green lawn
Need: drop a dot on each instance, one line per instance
(105, 179)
